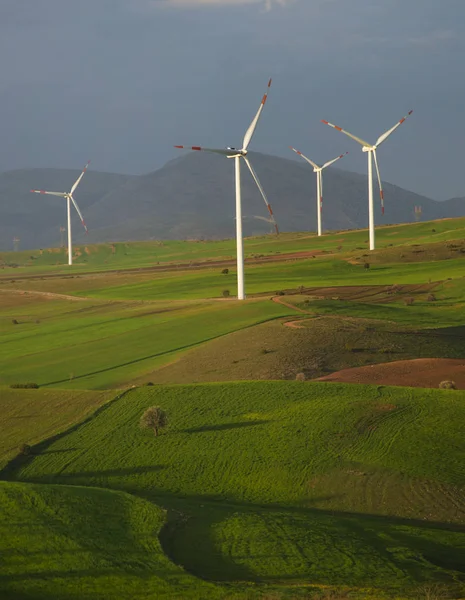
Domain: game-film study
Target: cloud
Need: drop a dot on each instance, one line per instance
(267, 4)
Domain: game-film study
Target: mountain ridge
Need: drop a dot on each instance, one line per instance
(192, 196)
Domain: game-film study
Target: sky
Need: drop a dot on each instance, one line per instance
(121, 82)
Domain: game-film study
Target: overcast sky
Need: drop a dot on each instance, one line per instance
(122, 81)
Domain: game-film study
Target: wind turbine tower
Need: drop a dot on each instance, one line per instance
(370, 149)
(68, 196)
(238, 154)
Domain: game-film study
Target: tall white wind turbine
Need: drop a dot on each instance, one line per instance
(371, 151)
(237, 154)
(319, 181)
(69, 198)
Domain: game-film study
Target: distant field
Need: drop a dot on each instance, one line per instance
(100, 345)
(146, 254)
(263, 478)
(29, 416)
(313, 345)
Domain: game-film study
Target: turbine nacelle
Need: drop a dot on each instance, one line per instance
(368, 148)
(237, 152)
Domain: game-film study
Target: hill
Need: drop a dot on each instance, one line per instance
(193, 197)
(286, 482)
(36, 220)
(65, 542)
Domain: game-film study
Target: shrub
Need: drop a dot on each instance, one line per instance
(431, 298)
(366, 265)
(14, 321)
(280, 293)
(225, 272)
(154, 418)
(300, 377)
(24, 386)
(226, 293)
(447, 385)
(409, 301)
(25, 449)
(149, 383)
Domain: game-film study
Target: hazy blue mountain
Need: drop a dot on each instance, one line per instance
(192, 197)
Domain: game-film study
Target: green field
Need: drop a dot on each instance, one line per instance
(258, 488)
(254, 471)
(29, 416)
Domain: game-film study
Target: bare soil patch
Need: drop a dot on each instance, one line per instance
(420, 372)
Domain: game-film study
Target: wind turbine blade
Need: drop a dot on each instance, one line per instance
(79, 213)
(251, 130)
(314, 165)
(354, 137)
(79, 178)
(381, 192)
(60, 194)
(262, 192)
(320, 175)
(384, 137)
(224, 152)
(334, 160)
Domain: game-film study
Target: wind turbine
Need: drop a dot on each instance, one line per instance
(69, 198)
(371, 151)
(237, 154)
(319, 182)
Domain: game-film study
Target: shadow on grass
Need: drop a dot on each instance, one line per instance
(12, 468)
(224, 426)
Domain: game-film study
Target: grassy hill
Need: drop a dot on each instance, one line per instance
(66, 542)
(29, 416)
(257, 489)
(287, 482)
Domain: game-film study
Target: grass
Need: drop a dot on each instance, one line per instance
(249, 470)
(94, 257)
(289, 488)
(66, 542)
(28, 416)
(100, 345)
(274, 351)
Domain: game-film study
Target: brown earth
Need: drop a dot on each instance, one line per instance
(420, 372)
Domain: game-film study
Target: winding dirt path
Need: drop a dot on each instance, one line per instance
(49, 295)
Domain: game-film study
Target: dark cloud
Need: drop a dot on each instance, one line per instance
(122, 81)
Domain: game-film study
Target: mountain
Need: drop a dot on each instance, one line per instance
(193, 196)
(36, 220)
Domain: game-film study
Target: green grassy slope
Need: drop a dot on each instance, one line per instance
(146, 254)
(97, 345)
(28, 416)
(314, 346)
(375, 474)
(73, 543)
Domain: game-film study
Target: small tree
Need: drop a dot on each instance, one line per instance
(154, 418)
(447, 385)
(226, 293)
(225, 271)
(366, 266)
(25, 449)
